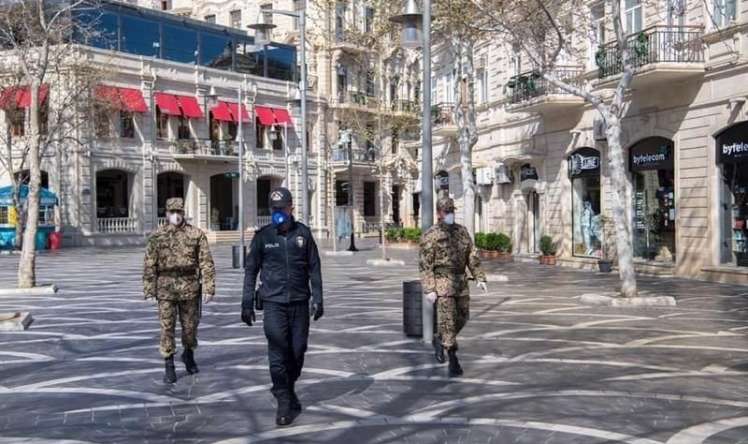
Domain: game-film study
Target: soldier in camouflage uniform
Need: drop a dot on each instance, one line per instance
(446, 253)
(178, 264)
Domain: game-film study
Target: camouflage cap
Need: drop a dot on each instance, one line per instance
(445, 204)
(175, 204)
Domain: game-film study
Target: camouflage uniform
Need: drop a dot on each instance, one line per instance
(446, 251)
(175, 258)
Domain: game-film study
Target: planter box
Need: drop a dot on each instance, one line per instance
(605, 266)
(547, 260)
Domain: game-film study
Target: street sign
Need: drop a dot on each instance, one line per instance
(231, 175)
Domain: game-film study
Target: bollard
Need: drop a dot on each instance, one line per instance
(412, 301)
(235, 258)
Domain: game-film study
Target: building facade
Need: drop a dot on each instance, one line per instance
(541, 159)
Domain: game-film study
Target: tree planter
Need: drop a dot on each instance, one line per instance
(488, 254)
(547, 260)
(504, 257)
(605, 266)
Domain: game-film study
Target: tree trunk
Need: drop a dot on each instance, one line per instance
(620, 192)
(466, 126)
(27, 264)
(381, 216)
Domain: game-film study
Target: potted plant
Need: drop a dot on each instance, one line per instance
(481, 245)
(412, 235)
(393, 234)
(504, 247)
(547, 250)
(604, 264)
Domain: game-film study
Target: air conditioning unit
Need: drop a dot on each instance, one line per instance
(502, 173)
(598, 129)
(484, 176)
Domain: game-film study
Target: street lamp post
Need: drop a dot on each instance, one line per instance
(417, 32)
(261, 29)
(240, 142)
(351, 194)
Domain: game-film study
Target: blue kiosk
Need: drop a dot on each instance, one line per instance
(9, 216)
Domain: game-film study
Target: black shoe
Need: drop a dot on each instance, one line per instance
(284, 416)
(170, 373)
(295, 404)
(438, 350)
(455, 369)
(188, 357)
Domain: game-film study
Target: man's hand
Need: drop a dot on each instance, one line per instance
(431, 297)
(317, 310)
(207, 298)
(482, 285)
(248, 316)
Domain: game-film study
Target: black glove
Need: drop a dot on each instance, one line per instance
(248, 316)
(317, 310)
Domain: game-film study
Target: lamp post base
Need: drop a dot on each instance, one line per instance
(352, 247)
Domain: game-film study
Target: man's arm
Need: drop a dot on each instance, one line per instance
(150, 269)
(473, 262)
(426, 265)
(315, 271)
(207, 267)
(251, 268)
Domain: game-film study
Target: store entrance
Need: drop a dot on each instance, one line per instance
(533, 222)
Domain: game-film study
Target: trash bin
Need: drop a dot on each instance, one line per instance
(236, 259)
(55, 240)
(42, 237)
(412, 304)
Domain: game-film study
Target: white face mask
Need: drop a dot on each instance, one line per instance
(449, 219)
(175, 218)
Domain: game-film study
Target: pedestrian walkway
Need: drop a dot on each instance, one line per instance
(539, 367)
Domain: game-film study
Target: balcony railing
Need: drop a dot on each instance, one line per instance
(224, 147)
(117, 225)
(359, 155)
(442, 114)
(405, 106)
(658, 44)
(264, 220)
(530, 85)
(357, 98)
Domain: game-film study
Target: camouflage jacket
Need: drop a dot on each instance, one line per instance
(446, 255)
(174, 258)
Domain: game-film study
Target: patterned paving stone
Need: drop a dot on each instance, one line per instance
(540, 367)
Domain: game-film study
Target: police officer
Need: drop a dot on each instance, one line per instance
(286, 256)
(446, 253)
(177, 258)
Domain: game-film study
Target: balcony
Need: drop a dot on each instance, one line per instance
(406, 108)
(117, 225)
(361, 157)
(660, 54)
(356, 101)
(352, 41)
(191, 149)
(532, 93)
(443, 119)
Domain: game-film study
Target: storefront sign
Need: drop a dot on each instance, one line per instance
(584, 162)
(442, 180)
(528, 172)
(732, 144)
(654, 153)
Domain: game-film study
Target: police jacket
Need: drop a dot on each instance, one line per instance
(288, 264)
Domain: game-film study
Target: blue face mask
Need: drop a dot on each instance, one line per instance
(279, 218)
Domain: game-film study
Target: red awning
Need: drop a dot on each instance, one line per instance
(10, 97)
(281, 116)
(109, 94)
(190, 108)
(235, 112)
(25, 100)
(265, 114)
(168, 104)
(132, 100)
(222, 112)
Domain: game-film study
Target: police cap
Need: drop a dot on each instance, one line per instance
(280, 198)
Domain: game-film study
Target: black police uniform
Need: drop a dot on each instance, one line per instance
(288, 262)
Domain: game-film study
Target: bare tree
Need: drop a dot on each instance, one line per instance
(43, 64)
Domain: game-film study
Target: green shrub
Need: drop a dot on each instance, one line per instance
(492, 242)
(412, 234)
(503, 243)
(547, 247)
(480, 241)
(393, 234)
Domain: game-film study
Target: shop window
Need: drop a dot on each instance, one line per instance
(584, 172)
(652, 171)
(341, 193)
(732, 154)
(126, 125)
(370, 199)
(276, 138)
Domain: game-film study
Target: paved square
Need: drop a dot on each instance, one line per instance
(539, 367)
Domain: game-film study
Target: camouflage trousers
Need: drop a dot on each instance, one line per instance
(189, 317)
(451, 316)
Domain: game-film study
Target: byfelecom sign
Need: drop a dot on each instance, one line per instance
(654, 153)
(732, 144)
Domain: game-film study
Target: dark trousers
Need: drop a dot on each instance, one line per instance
(287, 330)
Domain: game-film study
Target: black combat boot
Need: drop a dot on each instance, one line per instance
(438, 350)
(188, 357)
(455, 369)
(284, 416)
(170, 374)
(295, 403)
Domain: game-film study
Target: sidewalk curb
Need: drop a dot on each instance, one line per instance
(36, 291)
(644, 301)
(497, 278)
(385, 262)
(15, 321)
(338, 253)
